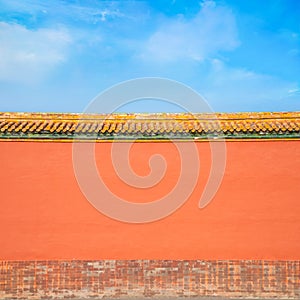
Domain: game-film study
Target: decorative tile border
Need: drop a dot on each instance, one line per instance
(70, 127)
(149, 278)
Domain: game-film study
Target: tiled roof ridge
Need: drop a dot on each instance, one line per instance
(149, 126)
(148, 116)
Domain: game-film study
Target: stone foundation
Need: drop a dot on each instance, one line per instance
(149, 278)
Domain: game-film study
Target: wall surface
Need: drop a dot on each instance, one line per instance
(255, 214)
(246, 242)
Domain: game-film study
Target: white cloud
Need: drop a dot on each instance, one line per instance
(247, 90)
(87, 11)
(27, 55)
(213, 29)
(294, 91)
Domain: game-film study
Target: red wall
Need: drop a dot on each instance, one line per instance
(255, 214)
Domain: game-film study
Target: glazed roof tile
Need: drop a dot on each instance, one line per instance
(149, 126)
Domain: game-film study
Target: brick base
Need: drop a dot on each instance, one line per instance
(146, 278)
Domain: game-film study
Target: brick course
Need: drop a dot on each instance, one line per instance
(147, 278)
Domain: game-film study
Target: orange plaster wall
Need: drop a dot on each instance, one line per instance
(255, 214)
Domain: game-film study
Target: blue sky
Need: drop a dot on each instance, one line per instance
(240, 55)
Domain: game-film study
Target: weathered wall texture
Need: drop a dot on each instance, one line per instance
(246, 242)
(146, 278)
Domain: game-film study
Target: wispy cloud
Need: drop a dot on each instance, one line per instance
(212, 30)
(294, 92)
(27, 55)
(247, 90)
(66, 12)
